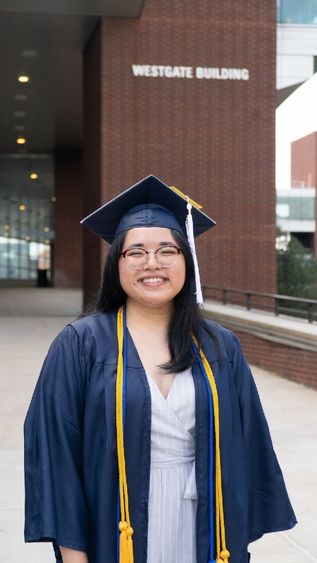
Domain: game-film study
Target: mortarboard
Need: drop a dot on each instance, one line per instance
(148, 203)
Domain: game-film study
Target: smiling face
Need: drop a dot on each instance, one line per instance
(152, 285)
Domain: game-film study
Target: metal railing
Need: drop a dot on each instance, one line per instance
(279, 304)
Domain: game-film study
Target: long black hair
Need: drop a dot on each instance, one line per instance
(186, 318)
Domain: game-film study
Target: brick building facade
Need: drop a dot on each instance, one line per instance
(211, 137)
(304, 162)
(304, 169)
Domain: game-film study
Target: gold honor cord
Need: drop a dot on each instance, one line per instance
(126, 531)
(222, 552)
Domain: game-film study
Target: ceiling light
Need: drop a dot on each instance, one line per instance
(29, 53)
(53, 199)
(19, 113)
(19, 127)
(22, 207)
(23, 78)
(6, 227)
(46, 229)
(20, 97)
(46, 241)
(34, 176)
(21, 140)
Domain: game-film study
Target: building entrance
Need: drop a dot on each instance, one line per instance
(26, 218)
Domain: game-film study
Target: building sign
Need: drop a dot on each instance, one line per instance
(199, 72)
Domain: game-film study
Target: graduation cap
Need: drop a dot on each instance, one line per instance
(151, 203)
(148, 203)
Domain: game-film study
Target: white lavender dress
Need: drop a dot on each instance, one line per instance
(173, 494)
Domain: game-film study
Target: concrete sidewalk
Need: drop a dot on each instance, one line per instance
(291, 410)
(40, 302)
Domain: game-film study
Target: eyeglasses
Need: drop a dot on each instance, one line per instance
(137, 258)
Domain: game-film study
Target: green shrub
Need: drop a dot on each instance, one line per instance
(297, 271)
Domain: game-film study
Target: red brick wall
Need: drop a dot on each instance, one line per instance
(213, 139)
(304, 167)
(292, 363)
(68, 212)
(304, 161)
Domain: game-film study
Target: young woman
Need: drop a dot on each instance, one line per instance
(145, 437)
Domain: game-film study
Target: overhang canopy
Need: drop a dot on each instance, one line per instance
(115, 8)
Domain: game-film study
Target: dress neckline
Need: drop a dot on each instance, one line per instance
(151, 380)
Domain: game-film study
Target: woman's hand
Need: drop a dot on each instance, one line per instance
(72, 555)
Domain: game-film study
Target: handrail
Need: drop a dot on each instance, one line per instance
(309, 309)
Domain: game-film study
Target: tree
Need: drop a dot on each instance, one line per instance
(297, 271)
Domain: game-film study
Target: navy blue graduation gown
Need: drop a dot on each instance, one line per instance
(71, 475)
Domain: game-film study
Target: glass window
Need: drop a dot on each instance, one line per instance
(282, 210)
(26, 216)
(297, 11)
(21, 260)
(296, 208)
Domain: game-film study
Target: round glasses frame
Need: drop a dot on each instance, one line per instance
(158, 253)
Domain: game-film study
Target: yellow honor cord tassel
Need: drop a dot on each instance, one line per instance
(126, 531)
(220, 532)
(126, 543)
(129, 533)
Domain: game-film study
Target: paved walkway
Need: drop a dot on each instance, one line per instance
(291, 410)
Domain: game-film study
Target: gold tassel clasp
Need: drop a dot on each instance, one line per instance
(224, 556)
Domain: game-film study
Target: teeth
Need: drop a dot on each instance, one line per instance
(152, 280)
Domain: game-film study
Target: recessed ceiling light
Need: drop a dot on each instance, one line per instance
(46, 241)
(22, 207)
(19, 113)
(20, 97)
(6, 227)
(34, 176)
(23, 78)
(53, 199)
(21, 140)
(46, 229)
(29, 53)
(19, 127)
